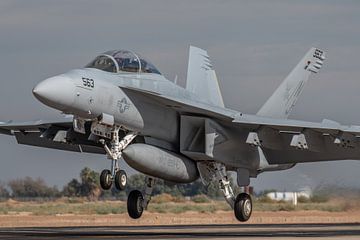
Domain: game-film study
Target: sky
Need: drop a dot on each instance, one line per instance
(253, 46)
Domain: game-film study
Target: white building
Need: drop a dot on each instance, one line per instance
(289, 196)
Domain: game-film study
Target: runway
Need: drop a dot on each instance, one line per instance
(228, 231)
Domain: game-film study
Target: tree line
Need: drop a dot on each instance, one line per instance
(88, 185)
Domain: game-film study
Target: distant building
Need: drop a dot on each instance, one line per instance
(289, 196)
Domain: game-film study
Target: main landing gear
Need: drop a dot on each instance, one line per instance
(116, 175)
(242, 204)
(243, 207)
(137, 202)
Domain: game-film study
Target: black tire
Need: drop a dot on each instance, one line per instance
(243, 207)
(120, 180)
(134, 204)
(105, 179)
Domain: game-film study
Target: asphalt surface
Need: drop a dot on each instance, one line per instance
(254, 231)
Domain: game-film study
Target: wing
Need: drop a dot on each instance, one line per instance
(51, 134)
(282, 141)
(290, 141)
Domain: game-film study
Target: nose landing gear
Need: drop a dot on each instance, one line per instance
(107, 177)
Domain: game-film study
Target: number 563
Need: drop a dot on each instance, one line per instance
(88, 82)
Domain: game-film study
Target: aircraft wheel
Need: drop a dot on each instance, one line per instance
(243, 207)
(120, 180)
(134, 204)
(105, 179)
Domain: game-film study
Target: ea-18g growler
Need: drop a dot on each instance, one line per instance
(122, 106)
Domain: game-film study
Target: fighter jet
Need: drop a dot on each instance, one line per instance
(124, 108)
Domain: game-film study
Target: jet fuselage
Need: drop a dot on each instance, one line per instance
(88, 93)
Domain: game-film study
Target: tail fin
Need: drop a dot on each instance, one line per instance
(201, 78)
(280, 104)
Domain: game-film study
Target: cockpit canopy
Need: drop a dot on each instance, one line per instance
(122, 61)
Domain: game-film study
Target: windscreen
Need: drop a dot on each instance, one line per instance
(104, 63)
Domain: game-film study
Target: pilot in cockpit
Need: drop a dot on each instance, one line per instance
(122, 61)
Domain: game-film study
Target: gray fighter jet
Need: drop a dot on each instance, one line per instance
(123, 107)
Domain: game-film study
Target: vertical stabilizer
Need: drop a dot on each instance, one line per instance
(280, 104)
(201, 78)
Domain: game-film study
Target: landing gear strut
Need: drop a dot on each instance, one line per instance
(107, 177)
(242, 204)
(137, 202)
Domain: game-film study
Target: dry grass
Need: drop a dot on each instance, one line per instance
(80, 212)
(163, 204)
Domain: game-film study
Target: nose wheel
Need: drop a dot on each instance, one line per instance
(120, 180)
(105, 179)
(116, 175)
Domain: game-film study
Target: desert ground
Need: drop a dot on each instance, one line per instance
(187, 218)
(63, 213)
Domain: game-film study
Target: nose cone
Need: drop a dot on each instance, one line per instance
(56, 92)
